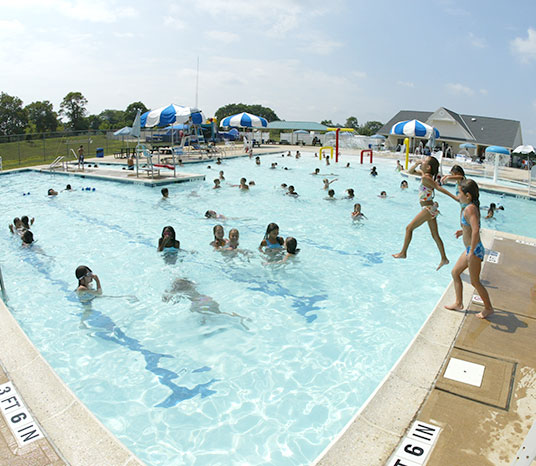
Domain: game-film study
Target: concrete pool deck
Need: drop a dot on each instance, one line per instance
(475, 425)
(479, 425)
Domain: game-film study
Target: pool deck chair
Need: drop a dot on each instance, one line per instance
(143, 153)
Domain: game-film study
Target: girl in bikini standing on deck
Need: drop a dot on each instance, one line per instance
(429, 212)
(474, 249)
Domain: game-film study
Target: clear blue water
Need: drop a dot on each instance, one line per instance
(294, 350)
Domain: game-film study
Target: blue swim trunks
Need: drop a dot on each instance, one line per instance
(479, 250)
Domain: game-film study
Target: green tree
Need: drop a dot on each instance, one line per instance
(13, 117)
(73, 107)
(94, 122)
(131, 110)
(259, 110)
(113, 118)
(42, 116)
(331, 124)
(370, 128)
(351, 122)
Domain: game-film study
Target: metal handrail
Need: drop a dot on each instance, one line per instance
(56, 163)
(2, 287)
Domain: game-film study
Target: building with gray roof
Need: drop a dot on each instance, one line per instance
(455, 129)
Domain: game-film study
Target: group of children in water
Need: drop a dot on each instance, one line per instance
(21, 226)
(467, 194)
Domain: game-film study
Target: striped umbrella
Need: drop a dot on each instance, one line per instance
(244, 120)
(414, 128)
(165, 116)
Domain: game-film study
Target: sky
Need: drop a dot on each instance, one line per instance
(306, 59)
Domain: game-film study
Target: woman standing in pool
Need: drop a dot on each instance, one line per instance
(271, 239)
(474, 249)
(429, 212)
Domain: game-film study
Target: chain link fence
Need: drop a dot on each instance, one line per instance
(22, 150)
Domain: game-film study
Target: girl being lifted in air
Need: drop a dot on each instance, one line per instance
(429, 212)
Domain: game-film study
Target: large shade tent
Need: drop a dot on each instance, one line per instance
(244, 120)
(165, 116)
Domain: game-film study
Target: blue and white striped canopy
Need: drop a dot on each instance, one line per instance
(414, 128)
(244, 120)
(165, 116)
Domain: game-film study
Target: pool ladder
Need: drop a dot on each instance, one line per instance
(2, 287)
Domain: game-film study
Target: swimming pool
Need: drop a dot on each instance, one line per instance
(295, 350)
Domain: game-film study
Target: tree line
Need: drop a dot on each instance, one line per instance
(40, 116)
(367, 129)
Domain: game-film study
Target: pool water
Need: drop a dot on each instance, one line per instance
(246, 362)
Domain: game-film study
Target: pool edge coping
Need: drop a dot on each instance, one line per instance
(73, 430)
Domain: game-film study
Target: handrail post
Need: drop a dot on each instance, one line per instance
(2, 287)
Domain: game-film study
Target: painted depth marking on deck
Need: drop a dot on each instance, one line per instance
(465, 372)
(19, 420)
(416, 446)
(493, 256)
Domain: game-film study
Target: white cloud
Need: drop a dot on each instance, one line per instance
(459, 89)
(359, 74)
(476, 41)
(525, 48)
(10, 28)
(124, 35)
(175, 23)
(223, 37)
(483, 91)
(99, 11)
(319, 45)
(405, 83)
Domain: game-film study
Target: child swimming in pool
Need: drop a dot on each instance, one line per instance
(217, 184)
(327, 182)
(473, 256)
(219, 237)
(16, 226)
(232, 242)
(357, 214)
(271, 239)
(168, 239)
(214, 214)
(85, 277)
(457, 175)
(331, 195)
(429, 169)
(200, 303)
(291, 247)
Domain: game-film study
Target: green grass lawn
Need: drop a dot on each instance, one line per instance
(42, 151)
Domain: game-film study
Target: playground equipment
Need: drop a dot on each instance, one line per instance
(325, 147)
(337, 131)
(406, 143)
(366, 151)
